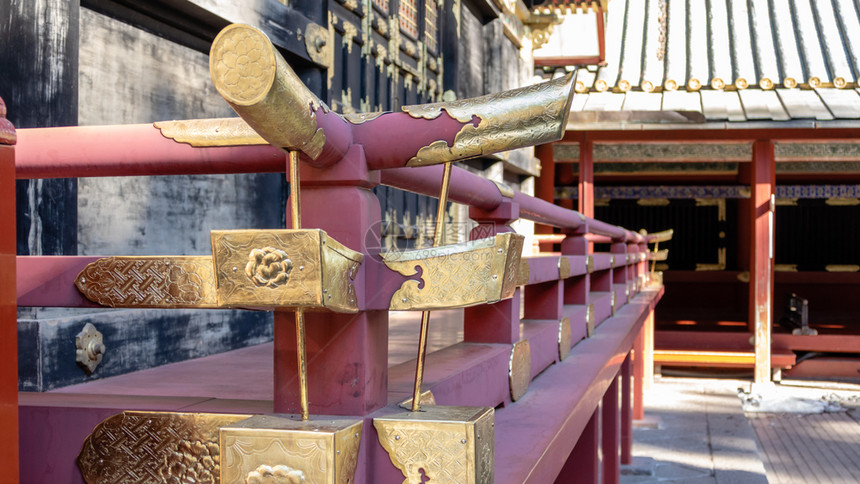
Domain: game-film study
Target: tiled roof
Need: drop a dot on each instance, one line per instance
(766, 60)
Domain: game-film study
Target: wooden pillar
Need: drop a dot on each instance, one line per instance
(586, 178)
(8, 313)
(583, 465)
(638, 375)
(611, 431)
(545, 183)
(762, 190)
(347, 354)
(626, 412)
(648, 352)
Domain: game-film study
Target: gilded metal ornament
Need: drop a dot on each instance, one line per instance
(284, 268)
(89, 348)
(589, 263)
(317, 45)
(359, 118)
(427, 398)
(211, 132)
(524, 272)
(563, 267)
(146, 447)
(499, 122)
(519, 369)
(262, 88)
(452, 276)
(323, 450)
(564, 338)
(150, 282)
(450, 444)
(505, 190)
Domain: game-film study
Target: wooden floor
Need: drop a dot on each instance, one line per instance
(818, 448)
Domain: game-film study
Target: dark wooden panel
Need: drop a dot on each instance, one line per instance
(39, 69)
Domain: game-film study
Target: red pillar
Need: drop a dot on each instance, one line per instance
(586, 178)
(8, 313)
(545, 183)
(583, 465)
(638, 375)
(611, 469)
(762, 185)
(626, 412)
(347, 353)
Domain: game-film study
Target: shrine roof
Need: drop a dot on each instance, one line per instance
(725, 62)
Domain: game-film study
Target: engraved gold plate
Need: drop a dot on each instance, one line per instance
(146, 447)
(525, 273)
(564, 338)
(149, 282)
(322, 450)
(453, 276)
(508, 120)
(302, 268)
(211, 132)
(519, 369)
(450, 444)
(427, 398)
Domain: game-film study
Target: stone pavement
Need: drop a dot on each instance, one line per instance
(695, 431)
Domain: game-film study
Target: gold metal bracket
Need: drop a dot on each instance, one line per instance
(564, 338)
(210, 132)
(323, 450)
(589, 263)
(284, 268)
(519, 369)
(477, 272)
(524, 272)
(613, 298)
(450, 444)
(563, 267)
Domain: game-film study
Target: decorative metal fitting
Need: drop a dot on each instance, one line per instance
(519, 369)
(90, 348)
(451, 444)
(564, 338)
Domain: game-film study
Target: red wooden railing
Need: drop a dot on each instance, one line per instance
(555, 427)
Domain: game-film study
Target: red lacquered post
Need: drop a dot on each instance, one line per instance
(8, 305)
(638, 375)
(499, 322)
(611, 430)
(761, 255)
(347, 354)
(583, 465)
(626, 413)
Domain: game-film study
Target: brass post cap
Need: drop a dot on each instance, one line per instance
(242, 64)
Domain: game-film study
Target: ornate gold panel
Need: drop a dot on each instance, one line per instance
(427, 398)
(313, 451)
(451, 444)
(519, 369)
(525, 273)
(452, 276)
(284, 268)
(564, 338)
(211, 132)
(149, 282)
(499, 122)
(146, 447)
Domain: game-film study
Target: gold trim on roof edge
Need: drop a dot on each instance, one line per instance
(499, 122)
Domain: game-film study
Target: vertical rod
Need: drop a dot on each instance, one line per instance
(626, 411)
(295, 203)
(438, 239)
(296, 213)
(303, 362)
